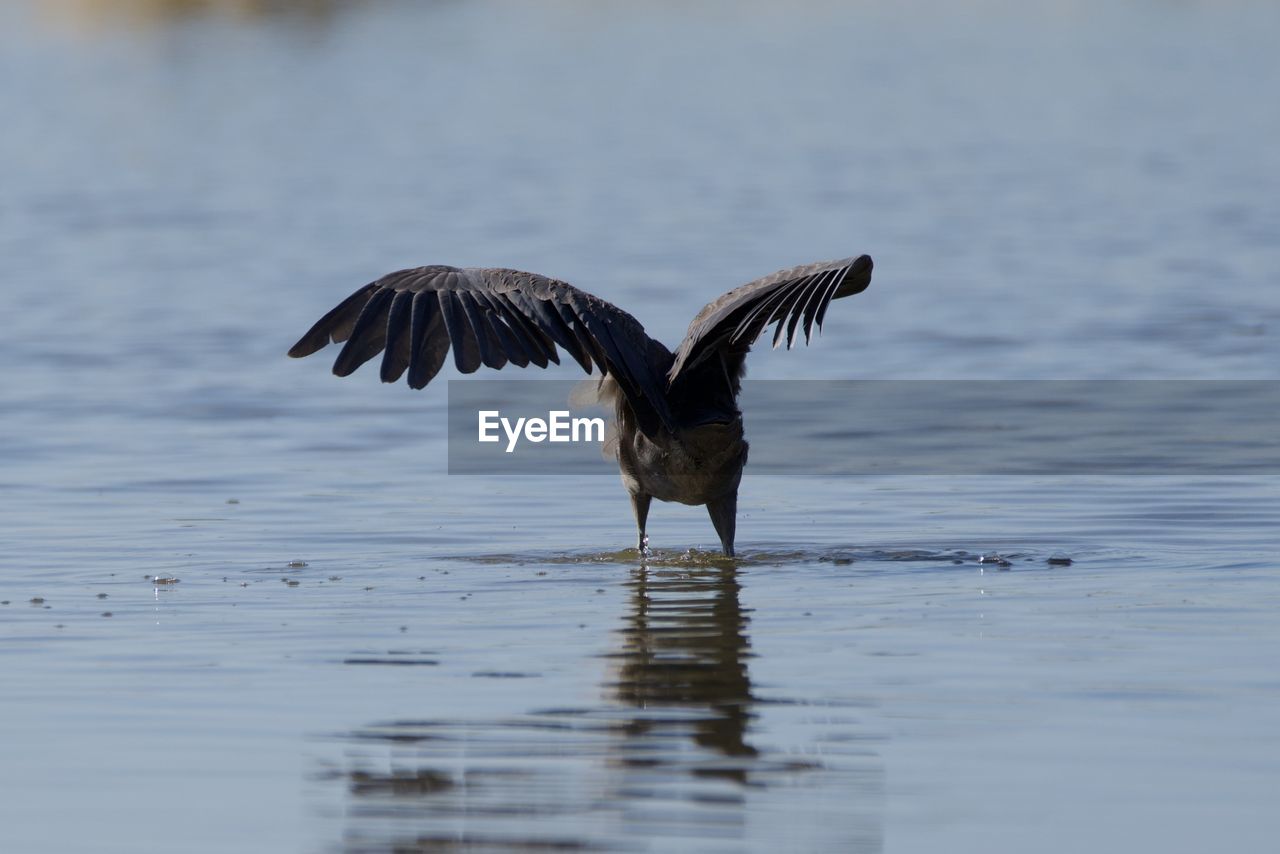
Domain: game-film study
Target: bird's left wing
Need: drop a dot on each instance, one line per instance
(730, 324)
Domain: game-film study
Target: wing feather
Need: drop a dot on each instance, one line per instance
(805, 306)
(367, 336)
(540, 349)
(466, 352)
(491, 350)
(429, 345)
(552, 325)
(336, 325)
(395, 358)
(814, 312)
(511, 341)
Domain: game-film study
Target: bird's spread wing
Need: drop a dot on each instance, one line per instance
(490, 317)
(730, 324)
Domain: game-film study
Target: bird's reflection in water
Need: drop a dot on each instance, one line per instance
(684, 663)
(669, 759)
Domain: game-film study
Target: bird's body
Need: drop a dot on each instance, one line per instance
(679, 430)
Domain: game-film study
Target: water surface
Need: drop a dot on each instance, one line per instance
(349, 649)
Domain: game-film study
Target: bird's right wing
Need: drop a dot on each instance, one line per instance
(730, 324)
(490, 317)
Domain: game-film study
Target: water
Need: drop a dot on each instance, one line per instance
(363, 653)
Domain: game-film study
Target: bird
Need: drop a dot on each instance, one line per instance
(679, 432)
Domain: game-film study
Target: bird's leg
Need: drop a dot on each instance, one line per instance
(724, 515)
(640, 505)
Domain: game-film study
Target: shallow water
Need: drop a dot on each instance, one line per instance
(348, 649)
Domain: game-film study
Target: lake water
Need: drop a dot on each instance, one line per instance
(349, 649)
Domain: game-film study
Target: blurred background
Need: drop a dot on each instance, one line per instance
(1063, 189)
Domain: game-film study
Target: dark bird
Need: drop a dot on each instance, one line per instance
(679, 430)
